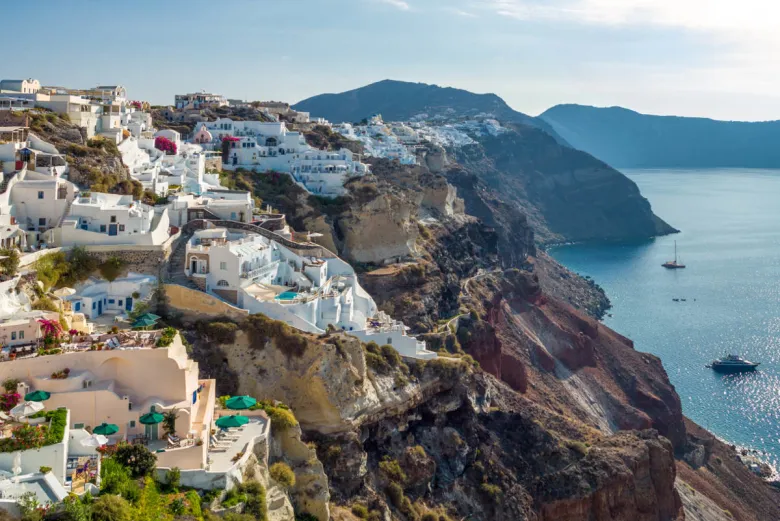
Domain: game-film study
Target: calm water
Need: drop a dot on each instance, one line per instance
(730, 241)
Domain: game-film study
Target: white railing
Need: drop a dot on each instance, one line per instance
(259, 272)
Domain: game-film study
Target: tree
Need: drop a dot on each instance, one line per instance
(112, 268)
(169, 421)
(139, 460)
(111, 508)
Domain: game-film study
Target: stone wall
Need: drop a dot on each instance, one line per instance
(145, 261)
(214, 163)
(194, 304)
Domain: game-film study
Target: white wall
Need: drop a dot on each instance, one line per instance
(54, 456)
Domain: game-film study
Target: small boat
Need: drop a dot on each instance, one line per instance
(676, 299)
(674, 265)
(733, 364)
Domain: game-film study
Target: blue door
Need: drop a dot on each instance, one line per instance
(100, 307)
(112, 229)
(129, 304)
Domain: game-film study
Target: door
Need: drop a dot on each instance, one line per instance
(194, 266)
(112, 229)
(129, 304)
(100, 307)
(151, 432)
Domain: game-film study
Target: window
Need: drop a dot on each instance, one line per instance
(121, 227)
(223, 266)
(132, 423)
(42, 221)
(21, 335)
(78, 425)
(113, 218)
(233, 216)
(103, 228)
(77, 307)
(40, 195)
(223, 283)
(389, 340)
(94, 305)
(111, 301)
(13, 335)
(119, 302)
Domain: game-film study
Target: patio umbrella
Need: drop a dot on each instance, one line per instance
(94, 440)
(144, 322)
(235, 420)
(106, 429)
(240, 402)
(151, 418)
(26, 409)
(37, 396)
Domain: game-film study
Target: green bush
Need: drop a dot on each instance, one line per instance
(193, 500)
(10, 384)
(360, 511)
(377, 363)
(177, 507)
(112, 268)
(44, 469)
(45, 304)
(281, 419)
(168, 334)
(139, 460)
(221, 332)
(109, 507)
(373, 347)
(391, 355)
(173, 478)
(392, 469)
(114, 477)
(491, 490)
(283, 474)
(255, 500)
(396, 494)
(233, 497)
(261, 329)
(10, 261)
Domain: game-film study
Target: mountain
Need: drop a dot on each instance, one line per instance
(624, 138)
(567, 195)
(401, 101)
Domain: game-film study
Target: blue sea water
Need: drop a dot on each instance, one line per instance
(730, 242)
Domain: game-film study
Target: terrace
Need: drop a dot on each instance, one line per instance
(238, 443)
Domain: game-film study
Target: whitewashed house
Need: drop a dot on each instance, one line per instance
(98, 297)
(28, 86)
(98, 218)
(309, 293)
(229, 205)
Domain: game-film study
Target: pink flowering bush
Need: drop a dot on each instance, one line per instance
(137, 104)
(165, 145)
(232, 139)
(9, 400)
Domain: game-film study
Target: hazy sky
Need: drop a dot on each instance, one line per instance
(715, 58)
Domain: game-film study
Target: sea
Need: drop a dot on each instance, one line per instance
(730, 242)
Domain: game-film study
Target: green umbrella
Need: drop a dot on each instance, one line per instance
(37, 396)
(144, 322)
(150, 316)
(240, 402)
(151, 418)
(235, 420)
(106, 429)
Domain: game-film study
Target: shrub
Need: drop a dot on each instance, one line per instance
(429, 516)
(233, 497)
(419, 451)
(377, 363)
(360, 511)
(112, 268)
(391, 355)
(177, 507)
(281, 419)
(168, 334)
(44, 469)
(392, 469)
(193, 501)
(491, 490)
(283, 474)
(10, 263)
(255, 500)
(137, 458)
(45, 304)
(111, 508)
(221, 332)
(173, 478)
(261, 329)
(11, 384)
(115, 478)
(373, 347)
(396, 494)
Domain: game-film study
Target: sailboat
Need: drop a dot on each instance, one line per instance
(673, 265)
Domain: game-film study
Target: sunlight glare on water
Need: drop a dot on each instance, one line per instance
(730, 242)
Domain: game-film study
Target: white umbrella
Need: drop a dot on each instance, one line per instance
(26, 409)
(94, 440)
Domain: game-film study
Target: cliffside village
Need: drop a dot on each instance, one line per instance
(114, 375)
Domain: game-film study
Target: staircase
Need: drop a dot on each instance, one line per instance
(175, 272)
(6, 179)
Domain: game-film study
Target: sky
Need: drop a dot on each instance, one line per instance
(709, 58)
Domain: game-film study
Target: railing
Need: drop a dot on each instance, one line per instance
(259, 272)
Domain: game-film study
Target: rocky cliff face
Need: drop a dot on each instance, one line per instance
(568, 195)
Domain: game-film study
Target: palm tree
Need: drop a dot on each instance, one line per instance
(169, 421)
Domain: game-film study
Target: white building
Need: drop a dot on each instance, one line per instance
(270, 146)
(198, 100)
(28, 86)
(98, 218)
(310, 293)
(228, 205)
(99, 297)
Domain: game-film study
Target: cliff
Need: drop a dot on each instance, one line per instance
(567, 195)
(628, 139)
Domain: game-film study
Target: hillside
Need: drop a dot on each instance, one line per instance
(628, 139)
(401, 101)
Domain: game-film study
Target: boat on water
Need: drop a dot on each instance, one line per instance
(733, 364)
(675, 264)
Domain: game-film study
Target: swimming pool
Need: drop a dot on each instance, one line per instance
(287, 295)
